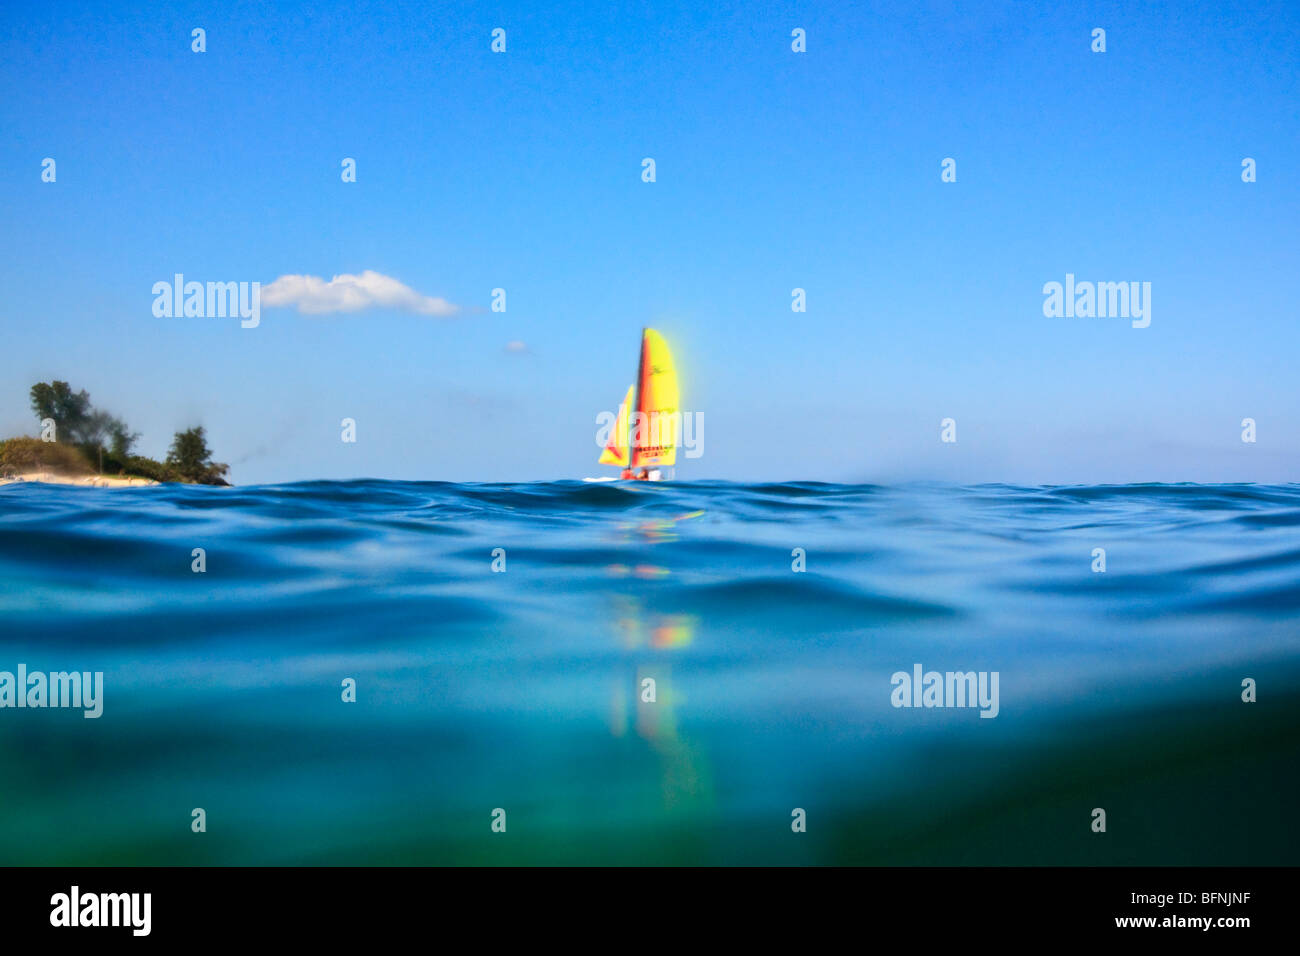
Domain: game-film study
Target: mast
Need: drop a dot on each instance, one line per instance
(640, 388)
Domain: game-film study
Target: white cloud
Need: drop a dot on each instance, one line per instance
(351, 293)
(516, 347)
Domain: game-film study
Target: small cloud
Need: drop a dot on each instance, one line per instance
(518, 348)
(351, 293)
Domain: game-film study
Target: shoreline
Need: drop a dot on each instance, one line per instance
(84, 481)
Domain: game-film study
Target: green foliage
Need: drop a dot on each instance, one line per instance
(77, 422)
(191, 458)
(148, 468)
(69, 410)
(19, 455)
(120, 439)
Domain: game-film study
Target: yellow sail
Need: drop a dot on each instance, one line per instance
(615, 452)
(655, 422)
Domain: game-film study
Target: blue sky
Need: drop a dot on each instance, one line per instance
(775, 170)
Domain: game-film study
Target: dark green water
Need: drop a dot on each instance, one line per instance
(521, 689)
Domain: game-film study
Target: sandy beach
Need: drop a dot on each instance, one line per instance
(85, 481)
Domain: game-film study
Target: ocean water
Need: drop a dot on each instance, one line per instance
(521, 689)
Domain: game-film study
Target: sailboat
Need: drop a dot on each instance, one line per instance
(645, 431)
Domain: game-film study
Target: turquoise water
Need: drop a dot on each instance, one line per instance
(521, 689)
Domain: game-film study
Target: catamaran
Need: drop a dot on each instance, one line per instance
(645, 431)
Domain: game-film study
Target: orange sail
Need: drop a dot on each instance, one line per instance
(654, 424)
(616, 451)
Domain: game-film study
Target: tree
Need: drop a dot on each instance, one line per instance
(121, 439)
(79, 423)
(70, 410)
(101, 430)
(192, 459)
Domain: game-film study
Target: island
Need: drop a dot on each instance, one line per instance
(83, 445)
